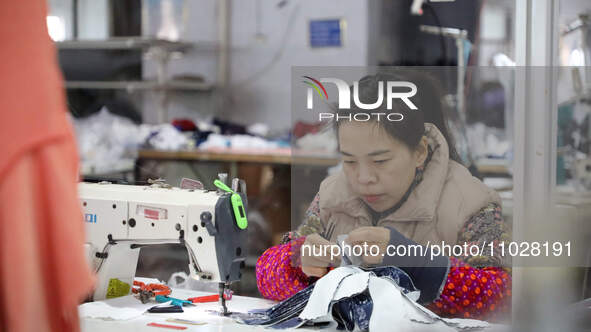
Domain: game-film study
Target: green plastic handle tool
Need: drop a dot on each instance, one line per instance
(237, 205)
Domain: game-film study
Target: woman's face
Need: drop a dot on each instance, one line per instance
(378, 167)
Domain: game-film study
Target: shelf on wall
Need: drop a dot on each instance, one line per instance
(124, 43)
(139, 85)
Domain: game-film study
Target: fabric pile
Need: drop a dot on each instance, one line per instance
(105, 139)
(373, 299)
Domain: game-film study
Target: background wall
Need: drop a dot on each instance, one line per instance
(267, 39)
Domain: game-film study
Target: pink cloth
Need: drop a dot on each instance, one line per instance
(483, 293)
(277, 276)
(43, 271)
(32, 100)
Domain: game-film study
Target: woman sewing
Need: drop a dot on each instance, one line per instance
(402, 183)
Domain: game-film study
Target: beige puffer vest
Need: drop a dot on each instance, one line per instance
(435, 211)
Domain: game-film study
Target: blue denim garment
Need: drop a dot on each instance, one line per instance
(347, 312)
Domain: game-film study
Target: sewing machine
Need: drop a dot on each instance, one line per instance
(121, 219)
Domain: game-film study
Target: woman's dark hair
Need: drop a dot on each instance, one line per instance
(410, 130)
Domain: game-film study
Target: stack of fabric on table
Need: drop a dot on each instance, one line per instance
(374, 299)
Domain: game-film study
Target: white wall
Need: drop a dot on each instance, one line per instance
(63, 10)
(261, 67)
(93, 19)
(201, 28)
(497, 23)
(569, 10)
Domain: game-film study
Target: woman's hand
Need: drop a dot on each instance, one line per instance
(318, 255)
(367, 237)
(312, 271)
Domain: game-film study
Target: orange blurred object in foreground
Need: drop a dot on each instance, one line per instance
(43, 271)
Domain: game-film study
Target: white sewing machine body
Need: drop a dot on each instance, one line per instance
(120, 219)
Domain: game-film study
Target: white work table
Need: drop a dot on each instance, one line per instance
(199, 312)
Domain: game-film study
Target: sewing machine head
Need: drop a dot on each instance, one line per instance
(121, 219)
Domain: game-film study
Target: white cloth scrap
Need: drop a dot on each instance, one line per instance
(324, 141)
(216, 141)
(325, 290)
(120, 308)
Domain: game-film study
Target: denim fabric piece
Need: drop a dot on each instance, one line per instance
(347, 312)
(291, 323)
(282, 311)
(353, 311)
(357, 310)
